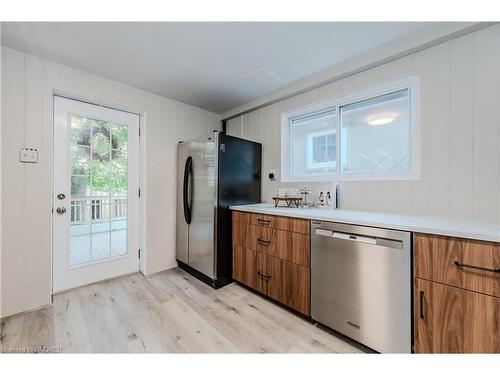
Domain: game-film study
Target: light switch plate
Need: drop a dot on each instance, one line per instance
(28, 155)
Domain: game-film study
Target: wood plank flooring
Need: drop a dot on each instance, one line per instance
(169, 312)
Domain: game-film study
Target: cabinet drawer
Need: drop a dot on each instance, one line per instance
(300, 251)
(293, 224)
(261, 272)
(290, 246)
(241, 217)
(268, 221)
(254, 237)
(293, 247)
(289, 224)
(262, 240)
(270, 273)
(459, 262)
(452, 320)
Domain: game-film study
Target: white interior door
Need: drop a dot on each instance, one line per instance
(95, 202)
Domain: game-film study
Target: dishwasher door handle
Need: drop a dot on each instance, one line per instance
(355, 237)
(394, 244)
(323, 232)
(345, 236)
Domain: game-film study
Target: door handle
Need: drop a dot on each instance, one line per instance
(421, 304)
(187, 190)
(355, 237)
(464, 265)
(263, 222)
(61, 196)
(263, 275)
(61, 210)
(323, 232)
(262, 242)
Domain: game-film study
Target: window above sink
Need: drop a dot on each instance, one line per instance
(370, 135)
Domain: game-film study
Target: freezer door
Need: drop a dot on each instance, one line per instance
(202, 246)
(238, 183)
(184, 189)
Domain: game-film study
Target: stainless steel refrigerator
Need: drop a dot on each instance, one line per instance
(213, 172)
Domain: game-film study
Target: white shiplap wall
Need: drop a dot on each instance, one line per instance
(28, 84)
(460, 120)
(0, 178)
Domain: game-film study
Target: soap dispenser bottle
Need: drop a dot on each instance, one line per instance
(334, 196)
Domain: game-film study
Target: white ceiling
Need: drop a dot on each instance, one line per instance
(216, 66)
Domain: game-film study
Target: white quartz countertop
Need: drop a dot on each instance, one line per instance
(413, 223)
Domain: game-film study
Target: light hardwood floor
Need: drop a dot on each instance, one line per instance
(169, 312)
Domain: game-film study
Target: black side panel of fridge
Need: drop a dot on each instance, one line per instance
(239, 183)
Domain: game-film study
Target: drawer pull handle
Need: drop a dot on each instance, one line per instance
(262, 242)
(421, 305)
(262, 275)
(459, 264)
(262, 221)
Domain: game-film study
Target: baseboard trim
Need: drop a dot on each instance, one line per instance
(3, 318)
(214, 283)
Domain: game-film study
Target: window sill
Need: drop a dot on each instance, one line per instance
(352, 177)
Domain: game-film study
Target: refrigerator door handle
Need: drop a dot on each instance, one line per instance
(187, 189)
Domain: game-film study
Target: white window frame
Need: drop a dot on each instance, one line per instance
(322, 165)
(411, 83)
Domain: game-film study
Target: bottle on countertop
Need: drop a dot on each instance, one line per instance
(334, 196)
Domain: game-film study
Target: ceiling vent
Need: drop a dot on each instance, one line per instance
(263, 79)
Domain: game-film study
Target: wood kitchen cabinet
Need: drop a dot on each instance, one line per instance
(447, 260)
(274, 272)
(297, 288)
(453, 320)
(456, 290)
(245, 266)
(272, 255)
(259, 271)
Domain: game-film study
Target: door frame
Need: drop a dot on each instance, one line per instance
(141, 226)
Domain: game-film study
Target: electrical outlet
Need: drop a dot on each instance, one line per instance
(272, 174)
(28, 155)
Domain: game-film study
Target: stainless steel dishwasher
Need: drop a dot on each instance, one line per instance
(361, 284)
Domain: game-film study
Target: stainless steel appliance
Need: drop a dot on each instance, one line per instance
(361, 284)
(213, 172)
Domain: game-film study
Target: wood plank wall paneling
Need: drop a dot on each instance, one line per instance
(28, 84)
(485, 124)
(12, 224)
(439, 142)
(1, 132)
(461, 120)
(460, 157)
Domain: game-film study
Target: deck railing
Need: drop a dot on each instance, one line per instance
(95, 209)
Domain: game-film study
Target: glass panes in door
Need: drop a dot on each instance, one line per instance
(99, 176)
